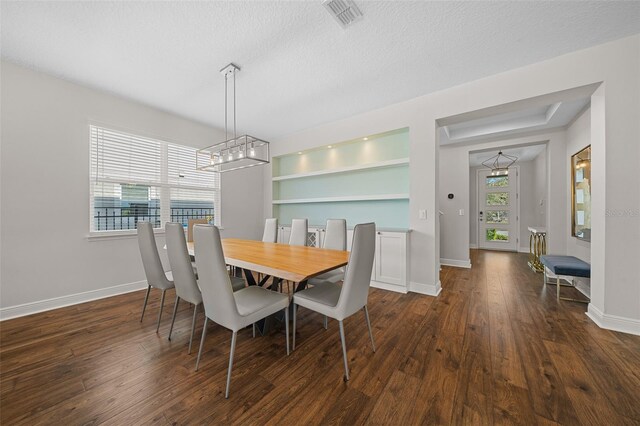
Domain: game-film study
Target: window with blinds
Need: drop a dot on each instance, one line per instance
(135, 179)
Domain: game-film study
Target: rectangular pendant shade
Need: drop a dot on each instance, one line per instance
(233, 154)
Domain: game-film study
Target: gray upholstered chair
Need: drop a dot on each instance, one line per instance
(270, 234)
(184, 277)
(335, 238)
(156, 276)
(221, 305)
(340, 302)
(299, 230)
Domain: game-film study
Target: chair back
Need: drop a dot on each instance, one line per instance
(335, 235)
(357, 278)
(181, 268)
(299, 230)
(190, 227)
(270, 234)
(150, 258)
(215, 284)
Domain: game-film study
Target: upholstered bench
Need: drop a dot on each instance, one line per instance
(565, 266)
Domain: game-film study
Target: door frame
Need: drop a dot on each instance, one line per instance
(478, 171)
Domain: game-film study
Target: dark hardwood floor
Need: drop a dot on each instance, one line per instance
(494, 347)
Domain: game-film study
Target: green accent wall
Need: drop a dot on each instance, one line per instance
(394, 179)
(385, 213)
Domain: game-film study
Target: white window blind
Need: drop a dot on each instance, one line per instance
(134, 179)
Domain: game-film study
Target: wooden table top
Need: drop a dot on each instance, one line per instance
(293, 263)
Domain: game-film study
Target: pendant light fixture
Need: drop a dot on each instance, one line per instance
(237, 152)
(499, 164)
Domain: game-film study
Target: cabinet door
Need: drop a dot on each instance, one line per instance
(391, 255)
(283, 234)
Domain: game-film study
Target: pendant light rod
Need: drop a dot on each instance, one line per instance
(236, 152)
(227, 71)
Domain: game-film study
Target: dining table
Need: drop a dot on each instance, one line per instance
(278, 262)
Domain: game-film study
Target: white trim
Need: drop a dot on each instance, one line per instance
(428, 289)
(613, 322)
(390, 287)
(378, 165)
(473, 246)
(342, 199)
(456, 263)
(72, 299)
(523, 250)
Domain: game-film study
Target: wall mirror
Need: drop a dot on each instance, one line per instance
(581, 194)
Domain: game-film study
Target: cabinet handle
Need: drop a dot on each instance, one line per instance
(379, 233)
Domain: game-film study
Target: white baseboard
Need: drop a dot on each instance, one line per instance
(428, 289)
(72, 299)
(456, 263)
(390, 287)
(613, 322)
(523, 250)
(473, 246)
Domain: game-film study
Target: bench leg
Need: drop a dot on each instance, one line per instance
(558, 288)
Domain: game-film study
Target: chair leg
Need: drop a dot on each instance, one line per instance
(286, 326)
(146, 299)
(204, 334)
(164, 292)
(193, 326)
(558, 288)
(294, 326)
(173, 318)
(344, 352)
(233, 350)
(254, 330)
(326, 322)
(366, 316)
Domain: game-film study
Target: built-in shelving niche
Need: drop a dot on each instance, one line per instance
(362, 180)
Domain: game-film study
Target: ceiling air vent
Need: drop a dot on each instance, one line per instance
(344, 11)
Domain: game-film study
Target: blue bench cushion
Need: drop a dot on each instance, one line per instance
(567, 265)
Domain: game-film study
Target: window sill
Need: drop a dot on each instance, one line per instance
(123, 235)
(118, 235)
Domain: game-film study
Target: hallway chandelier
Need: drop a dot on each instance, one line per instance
(499, 164)
(238, 152)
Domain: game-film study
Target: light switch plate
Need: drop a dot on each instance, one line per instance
(461, 212)
(422, 214)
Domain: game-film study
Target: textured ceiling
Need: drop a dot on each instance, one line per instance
(299, 68)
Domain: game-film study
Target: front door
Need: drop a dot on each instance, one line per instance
(498, 210)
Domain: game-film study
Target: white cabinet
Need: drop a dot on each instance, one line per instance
(391, 258)
(390, 263)
(284, 232)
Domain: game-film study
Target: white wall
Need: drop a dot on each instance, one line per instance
(615, 110)
(540, 189)
(45, 190)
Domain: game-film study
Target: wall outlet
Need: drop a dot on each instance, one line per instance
(422, 214)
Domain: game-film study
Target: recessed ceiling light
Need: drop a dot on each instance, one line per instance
(365, 139)
(299, 152)
(329, 147)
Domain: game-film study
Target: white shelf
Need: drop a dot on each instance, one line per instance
(344, 199)
(378, 165)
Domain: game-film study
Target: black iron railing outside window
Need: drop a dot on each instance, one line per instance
(117, 218)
